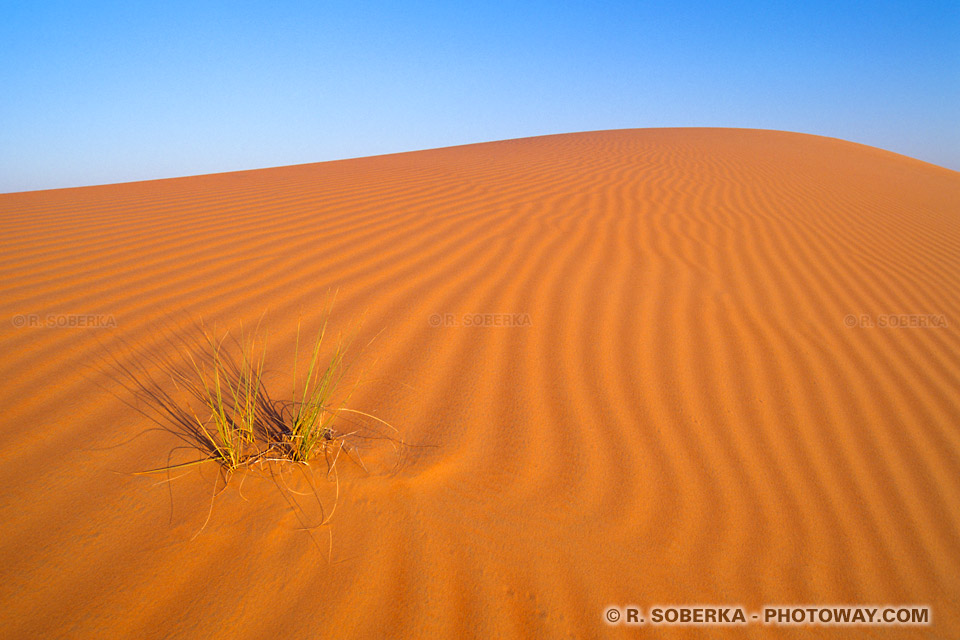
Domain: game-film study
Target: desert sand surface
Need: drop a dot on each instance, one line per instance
(677, 396)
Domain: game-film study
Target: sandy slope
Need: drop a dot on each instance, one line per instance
(687, 417)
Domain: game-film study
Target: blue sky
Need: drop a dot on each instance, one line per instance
(99, 92)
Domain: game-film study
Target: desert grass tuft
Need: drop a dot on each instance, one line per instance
(222, 407)
(311, 414)
(209, 389)
(232, 395)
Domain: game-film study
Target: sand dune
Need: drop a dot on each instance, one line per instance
(670, 404)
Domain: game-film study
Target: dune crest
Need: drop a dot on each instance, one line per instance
(641, 367)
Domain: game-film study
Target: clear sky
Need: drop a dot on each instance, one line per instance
(98, 92)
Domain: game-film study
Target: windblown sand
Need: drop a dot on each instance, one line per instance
(676, 395)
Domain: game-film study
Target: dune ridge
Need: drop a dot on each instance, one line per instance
(687, 417)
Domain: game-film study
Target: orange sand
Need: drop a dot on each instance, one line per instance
(687, 418)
